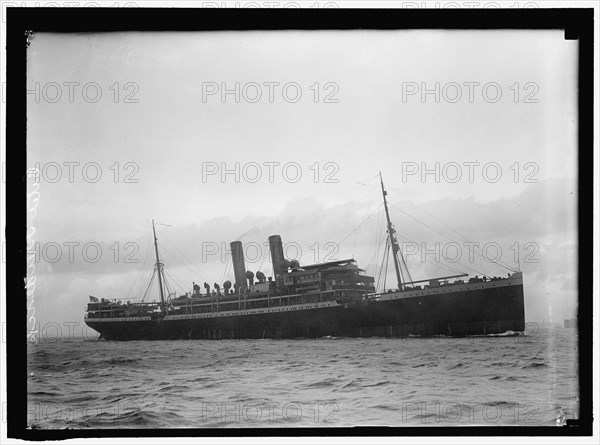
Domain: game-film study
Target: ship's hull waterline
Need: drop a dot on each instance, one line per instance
(483, 308)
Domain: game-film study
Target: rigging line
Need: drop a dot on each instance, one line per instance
(227, 269)
(148, 260)
(427, 213)
(140, 287)
(448, 237)
(165, 275)
(175, 280)
(147, 278)
(383, 271)
(379, 240)
(438, 220)
(166, 283)
(378, 273)
(147, 274)
(500, 263)
(367, 180)
(481, 264)
(173, 277)
(387, 263)
(149, 284)
(373, 260)
(405, 265)
(384, 262)
(425, 224)
(377, 244)
(178, 283)
(380, 234)
(445, 267)
(183, 256)
(142, 269)
(174, 257)
(358, 227)
(449, 227)
(448, 267)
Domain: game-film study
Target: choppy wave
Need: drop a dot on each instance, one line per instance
(490, 380)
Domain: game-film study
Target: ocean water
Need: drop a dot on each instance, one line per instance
(327, 382)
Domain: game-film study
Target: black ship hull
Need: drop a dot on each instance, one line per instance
(481, 308)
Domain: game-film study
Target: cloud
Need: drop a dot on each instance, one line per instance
(164, 138)
(539, 230)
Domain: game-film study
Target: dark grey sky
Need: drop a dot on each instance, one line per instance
(158, 120)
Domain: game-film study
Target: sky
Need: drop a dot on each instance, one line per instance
(224, 136)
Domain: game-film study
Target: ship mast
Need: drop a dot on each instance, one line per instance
(159, 269)
(392, 235)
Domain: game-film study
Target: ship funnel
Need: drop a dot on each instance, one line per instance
(239, 267)
(276, 254)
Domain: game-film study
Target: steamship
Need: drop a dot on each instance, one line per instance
(335, 298)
